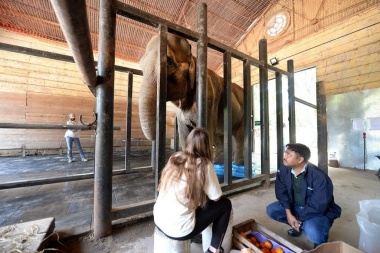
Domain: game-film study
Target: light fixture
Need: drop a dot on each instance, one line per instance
(273, 61)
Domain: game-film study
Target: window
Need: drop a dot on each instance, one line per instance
(277, 24)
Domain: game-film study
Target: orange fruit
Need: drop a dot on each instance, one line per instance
(265, 250)
(279, 250)
(253, 239)
(267, 244)
(243, 234)
(272, 251)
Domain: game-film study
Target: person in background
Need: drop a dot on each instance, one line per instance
(305, 196)
(190, 197)
(72, 135)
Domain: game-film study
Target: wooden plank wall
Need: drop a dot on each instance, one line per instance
(40, 90)
(345, 55)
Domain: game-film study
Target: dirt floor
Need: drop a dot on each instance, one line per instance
(351, 186)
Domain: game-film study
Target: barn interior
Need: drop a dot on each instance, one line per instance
(321, 56)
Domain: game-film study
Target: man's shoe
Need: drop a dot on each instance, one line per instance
(84, 160)
(70, 161)
(294, 233)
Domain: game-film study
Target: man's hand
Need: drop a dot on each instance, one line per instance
(293, 222)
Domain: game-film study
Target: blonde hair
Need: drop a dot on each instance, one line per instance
(192, 164)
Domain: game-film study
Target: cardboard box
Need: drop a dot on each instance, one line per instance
(336, 247)
(251, 227)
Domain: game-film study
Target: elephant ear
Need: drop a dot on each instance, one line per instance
(192, 72)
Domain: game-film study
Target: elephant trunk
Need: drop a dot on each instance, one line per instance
(147, 105)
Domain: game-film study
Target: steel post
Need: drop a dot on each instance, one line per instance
(104, 108)
(264, 108)
(227, 109)
(292, 103)
(161, 105)
(202, 66)
(279, 120)
(247, 119)
(128, 134)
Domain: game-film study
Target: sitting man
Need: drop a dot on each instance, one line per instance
(305, 196)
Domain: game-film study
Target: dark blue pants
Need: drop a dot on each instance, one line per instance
(316, 229)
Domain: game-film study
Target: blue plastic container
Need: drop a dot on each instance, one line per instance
(237, 170)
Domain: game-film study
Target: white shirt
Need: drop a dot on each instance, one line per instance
(172, 216)
(73, 133)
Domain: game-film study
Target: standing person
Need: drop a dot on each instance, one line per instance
(72, 135)
(190, 197)
(305, 196)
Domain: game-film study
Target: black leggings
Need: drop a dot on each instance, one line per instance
(215, 212)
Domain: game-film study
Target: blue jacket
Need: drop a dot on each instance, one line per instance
(317, 193)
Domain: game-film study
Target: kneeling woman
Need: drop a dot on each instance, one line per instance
(190, 197)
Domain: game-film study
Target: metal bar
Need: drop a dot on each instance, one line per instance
(305, 102)
(132, 209)
(242, 183)
(176, 136)
(58, 57)
(279, 119)
(152, 20)
(161, 105)
(264, 109)
(277, 70)
(128, 134)
(53, 180)
(72, 17)
(322, 128)
(153, 156)
(202, 67)
(50, 126)
(104, 133)
(292, 105)
(247, 119)
(227, 111)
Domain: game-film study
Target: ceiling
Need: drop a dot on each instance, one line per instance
(229, 21)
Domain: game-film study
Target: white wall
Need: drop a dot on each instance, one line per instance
(347, 143)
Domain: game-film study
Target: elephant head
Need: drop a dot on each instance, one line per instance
(180, 78)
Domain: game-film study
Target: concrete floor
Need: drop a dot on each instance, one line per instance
(71, 205)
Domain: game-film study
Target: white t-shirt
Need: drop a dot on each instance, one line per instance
(73, 133)
(172, 216)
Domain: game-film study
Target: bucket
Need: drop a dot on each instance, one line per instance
(162, 243)
(369, 223)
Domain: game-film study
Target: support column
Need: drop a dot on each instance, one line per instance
(247, 119)
(264, 108)
(161, 105)
(279, 120)
(292, 103)
(104, 109)
(227, 108)
(322, 128)
(202, 66)
(128, 124)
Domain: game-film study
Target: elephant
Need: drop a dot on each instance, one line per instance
(181, 91)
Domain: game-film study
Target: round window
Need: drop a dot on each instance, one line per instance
(277, 24)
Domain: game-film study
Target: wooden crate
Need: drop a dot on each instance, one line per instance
(251, 227)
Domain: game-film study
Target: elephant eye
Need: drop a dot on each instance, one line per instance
(170, 61)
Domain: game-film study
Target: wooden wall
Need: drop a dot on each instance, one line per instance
(345, 55)
(40, 90)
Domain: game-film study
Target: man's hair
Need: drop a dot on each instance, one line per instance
(300, 149)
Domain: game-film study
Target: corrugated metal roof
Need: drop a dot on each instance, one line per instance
(228, 20)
